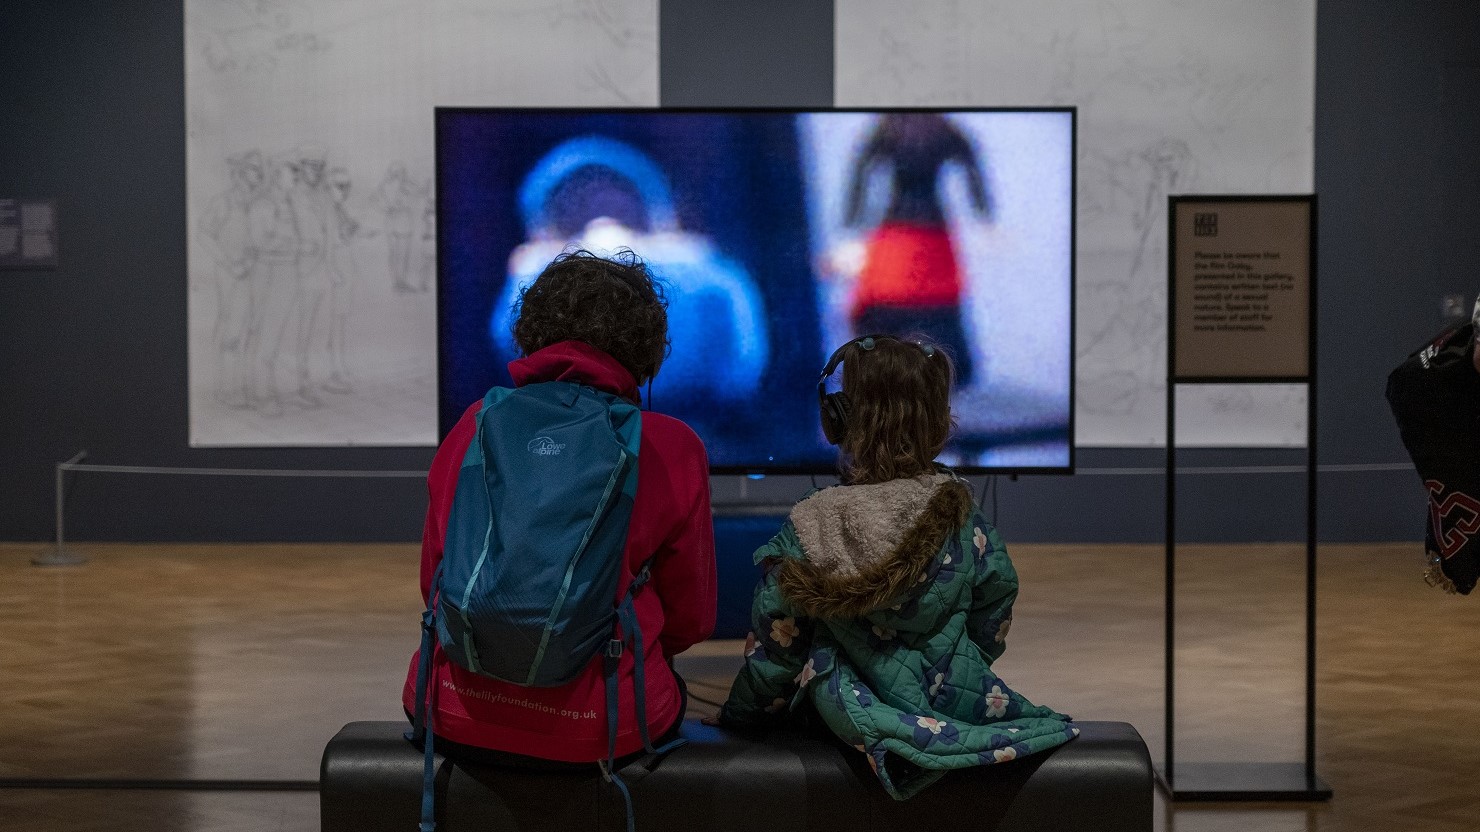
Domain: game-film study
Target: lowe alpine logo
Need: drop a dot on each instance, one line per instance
(545, 446)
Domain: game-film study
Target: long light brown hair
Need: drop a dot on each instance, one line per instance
(899, 409)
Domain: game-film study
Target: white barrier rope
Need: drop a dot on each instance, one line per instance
(239, 472)
(59, 556)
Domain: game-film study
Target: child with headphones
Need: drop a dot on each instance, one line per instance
(885, 600)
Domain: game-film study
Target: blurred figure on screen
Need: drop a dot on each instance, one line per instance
(910, 278)
(606, 195)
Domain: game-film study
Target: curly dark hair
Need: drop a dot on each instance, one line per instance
(615, 304)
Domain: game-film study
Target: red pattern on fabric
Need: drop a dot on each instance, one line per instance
(1452, 533)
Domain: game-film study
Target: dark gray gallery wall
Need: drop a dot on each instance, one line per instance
(1391, 173)
(759, 53)
(93, 355)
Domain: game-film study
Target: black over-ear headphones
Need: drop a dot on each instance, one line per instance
(834, 406)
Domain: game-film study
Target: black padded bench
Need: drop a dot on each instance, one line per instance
(371, 781)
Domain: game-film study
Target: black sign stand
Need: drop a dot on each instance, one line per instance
(1253, 781)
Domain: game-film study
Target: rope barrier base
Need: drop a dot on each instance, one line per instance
(59, 556)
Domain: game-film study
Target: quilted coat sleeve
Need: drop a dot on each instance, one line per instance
(776, 648)
(994, 589)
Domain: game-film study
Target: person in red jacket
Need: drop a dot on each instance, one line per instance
(603, 323)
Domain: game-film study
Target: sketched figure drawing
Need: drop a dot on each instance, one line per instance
(402, 199)
(282, 239)
(1124, 343)
(280, 243)
(313, 209)
(225, 229)
(427, 251)
(251, 36)
(343, 272)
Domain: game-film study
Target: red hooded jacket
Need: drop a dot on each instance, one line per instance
(670, 524)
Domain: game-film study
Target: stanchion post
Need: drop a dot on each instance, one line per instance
(59, 554)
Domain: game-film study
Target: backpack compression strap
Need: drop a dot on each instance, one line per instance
(422, 726)
(628, 630)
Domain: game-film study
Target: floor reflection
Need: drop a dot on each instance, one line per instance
(239, 662)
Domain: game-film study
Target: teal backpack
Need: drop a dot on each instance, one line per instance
(533, 555)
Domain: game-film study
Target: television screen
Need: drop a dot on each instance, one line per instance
(780, 235)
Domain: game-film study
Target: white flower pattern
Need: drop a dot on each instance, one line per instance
(1005, 754)
(980, 539)
(935, 682)
(1002, 629)
(783, 630)
(807, 674)
(996, 702)
(932, 725)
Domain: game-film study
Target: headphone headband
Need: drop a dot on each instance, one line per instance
(834, 406)
(868, 342)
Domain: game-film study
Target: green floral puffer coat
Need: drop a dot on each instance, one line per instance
(884, 606)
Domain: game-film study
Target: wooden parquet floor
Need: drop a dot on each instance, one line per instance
(240, 661)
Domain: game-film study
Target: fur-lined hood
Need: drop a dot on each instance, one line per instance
(865, 546)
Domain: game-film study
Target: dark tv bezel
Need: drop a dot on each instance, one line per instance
(802, 470)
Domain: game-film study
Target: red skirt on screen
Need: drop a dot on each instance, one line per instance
(908, 265)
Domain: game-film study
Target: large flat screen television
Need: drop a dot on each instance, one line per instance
(780, 235)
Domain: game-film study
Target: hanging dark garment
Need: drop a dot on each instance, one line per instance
(1435, 396)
